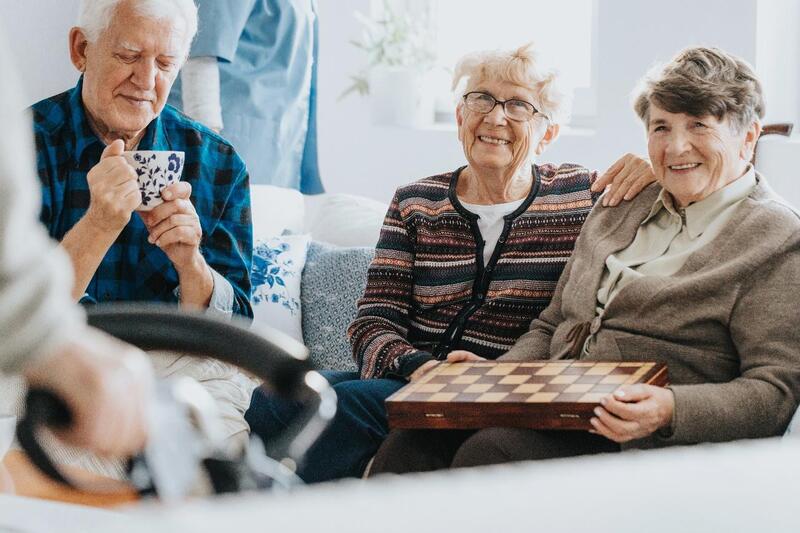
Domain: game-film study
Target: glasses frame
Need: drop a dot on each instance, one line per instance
(503, 105)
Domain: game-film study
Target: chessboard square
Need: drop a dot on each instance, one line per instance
(503, 388)
(532, 364)
(468, 398)
(429, 387)
(399, 396)
(588, 379)
(489, 379)
(513, 380)
(542, 397)
(605, 388)
(539, 379)
(492, 396)
(502, 369)
(529, 388)
(479, 387)
(583, 387)
(601, 369)
(439, 378)
(550, 387)
(564, 379)
(453, 370)
(626, 370)
(574, 370)
(474, 370)
(584, 364)
(515, 398)
(591, 397)
(615, 378)
(442, 397)
(551, 370)
(465, 379)
(569, 397)
(632, 365)
(457, 388)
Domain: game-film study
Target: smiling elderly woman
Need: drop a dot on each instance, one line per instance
(466, 259)
(701, 272)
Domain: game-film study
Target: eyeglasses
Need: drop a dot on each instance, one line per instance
(517, 110)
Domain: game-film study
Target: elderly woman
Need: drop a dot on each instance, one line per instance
(466, 259)
(699, 272)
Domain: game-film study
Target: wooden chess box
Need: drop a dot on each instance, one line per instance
(536, 395)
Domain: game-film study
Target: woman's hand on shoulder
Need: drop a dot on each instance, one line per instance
(633, 412)
(624, 179)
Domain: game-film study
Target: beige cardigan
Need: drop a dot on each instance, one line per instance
(726, 323)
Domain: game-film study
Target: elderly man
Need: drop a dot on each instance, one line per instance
(196, 247)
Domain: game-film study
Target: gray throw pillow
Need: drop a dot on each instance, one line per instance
(334, 279)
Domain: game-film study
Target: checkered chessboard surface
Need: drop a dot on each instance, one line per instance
(538, 395)
(540, 381)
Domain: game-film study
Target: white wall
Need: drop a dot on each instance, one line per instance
(358, 157)
(37, 32)
(633, 35)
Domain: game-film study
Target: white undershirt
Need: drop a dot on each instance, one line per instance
(490, 223)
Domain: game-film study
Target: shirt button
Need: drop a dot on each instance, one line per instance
(596, 323)
(480, 296)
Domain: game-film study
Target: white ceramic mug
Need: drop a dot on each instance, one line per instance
(155, 170)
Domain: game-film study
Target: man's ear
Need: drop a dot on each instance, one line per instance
(750, 138)
(550, 135)
(77, 48)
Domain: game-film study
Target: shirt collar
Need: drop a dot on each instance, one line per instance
(699, 215)
(155, 138)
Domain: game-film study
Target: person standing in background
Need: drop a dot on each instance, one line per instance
(252, 76)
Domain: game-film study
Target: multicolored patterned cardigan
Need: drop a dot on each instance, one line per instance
(428, 291)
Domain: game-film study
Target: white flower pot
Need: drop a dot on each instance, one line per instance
(401, 96)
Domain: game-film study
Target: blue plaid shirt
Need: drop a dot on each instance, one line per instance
(133, 269)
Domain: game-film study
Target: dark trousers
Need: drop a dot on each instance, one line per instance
(352, 438)
(426, 450)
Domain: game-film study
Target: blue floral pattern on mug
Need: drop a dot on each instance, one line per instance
(155, 170)
(269, 274)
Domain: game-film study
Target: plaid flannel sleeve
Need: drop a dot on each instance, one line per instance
(228, 246)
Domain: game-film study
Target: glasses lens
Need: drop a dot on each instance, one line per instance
(519, 110)
(480, 102)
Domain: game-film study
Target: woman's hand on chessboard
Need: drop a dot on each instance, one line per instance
(462, 356)
(633, 412)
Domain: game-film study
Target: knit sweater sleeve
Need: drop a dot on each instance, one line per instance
(378, 335)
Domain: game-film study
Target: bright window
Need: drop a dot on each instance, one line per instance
(561, 31)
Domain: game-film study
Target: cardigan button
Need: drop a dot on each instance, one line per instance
(595, 326)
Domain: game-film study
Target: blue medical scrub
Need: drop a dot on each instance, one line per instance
(267, 52)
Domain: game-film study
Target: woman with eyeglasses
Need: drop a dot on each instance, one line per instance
(466, 259)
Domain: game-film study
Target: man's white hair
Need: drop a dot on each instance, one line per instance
(94, 16)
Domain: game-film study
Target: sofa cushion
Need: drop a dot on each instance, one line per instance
(276, 210)
(344, 219)
(277, 269)
(333, 280)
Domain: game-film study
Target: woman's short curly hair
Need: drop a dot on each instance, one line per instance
(520, 67)
(702, 81)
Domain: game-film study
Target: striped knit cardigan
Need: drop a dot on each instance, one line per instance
(428, 291)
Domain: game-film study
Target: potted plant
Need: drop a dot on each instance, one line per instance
(399, 45)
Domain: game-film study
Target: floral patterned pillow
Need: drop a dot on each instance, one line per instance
(277, 269)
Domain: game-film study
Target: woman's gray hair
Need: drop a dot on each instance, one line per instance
(702, 81)
(94, 16)
(520, 67)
